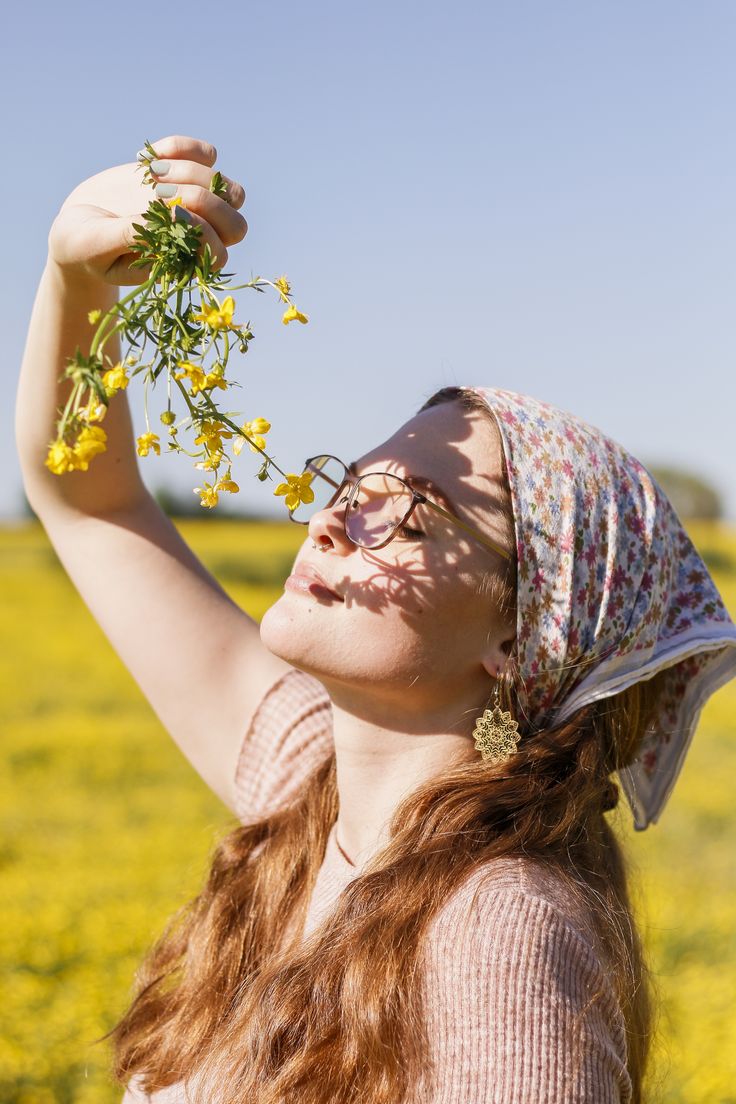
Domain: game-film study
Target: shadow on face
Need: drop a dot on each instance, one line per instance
(455, 458)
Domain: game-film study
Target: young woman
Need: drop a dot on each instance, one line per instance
(492, 612)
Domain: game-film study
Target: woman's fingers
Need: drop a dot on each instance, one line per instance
(191, 172)
(184, 167)
(229, 225)
(181, 147)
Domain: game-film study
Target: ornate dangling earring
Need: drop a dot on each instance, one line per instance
(496, 733)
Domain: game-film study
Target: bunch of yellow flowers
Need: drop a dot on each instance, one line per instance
(63, 457)
(182, 337)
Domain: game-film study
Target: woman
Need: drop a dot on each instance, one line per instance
(492, 612)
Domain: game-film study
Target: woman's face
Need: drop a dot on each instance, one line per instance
(410, 625)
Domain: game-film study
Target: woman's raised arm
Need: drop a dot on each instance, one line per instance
(194, 653)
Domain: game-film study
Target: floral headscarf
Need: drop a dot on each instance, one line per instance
(610, 588)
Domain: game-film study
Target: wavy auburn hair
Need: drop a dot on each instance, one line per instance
(231, 997)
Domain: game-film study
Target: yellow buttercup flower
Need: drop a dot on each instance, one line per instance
(208, 495)
(254, 429)
(219, 318)
(200, 380)
(177, 201)
(90, 442)
(148, 441)
(60, 458)
(216, 378)
(291, 314)
(212, 462)
(94, 316)
(115, 379)
(94, 411)
(296, 490)
(283, 287)
(194, 374)
(211, 433)
(226, 484)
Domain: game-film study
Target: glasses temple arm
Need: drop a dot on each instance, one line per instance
(470, 529)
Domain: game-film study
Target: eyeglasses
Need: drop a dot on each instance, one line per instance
(378, 504)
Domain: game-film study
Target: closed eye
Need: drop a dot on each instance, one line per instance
(411, 534)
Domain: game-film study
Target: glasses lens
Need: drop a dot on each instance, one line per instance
(327, 474)
(382, 503)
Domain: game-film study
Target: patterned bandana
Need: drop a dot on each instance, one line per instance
(610, 589)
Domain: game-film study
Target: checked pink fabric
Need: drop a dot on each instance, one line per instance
(610, 588)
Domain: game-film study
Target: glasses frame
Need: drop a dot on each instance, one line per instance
(417, 498)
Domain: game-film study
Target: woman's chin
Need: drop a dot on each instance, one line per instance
(286, 629)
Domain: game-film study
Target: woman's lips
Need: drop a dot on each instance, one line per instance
(308, 581)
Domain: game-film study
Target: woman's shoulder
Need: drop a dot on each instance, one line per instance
(519, 1002)
(289, 735)
(516, 891)
(513, 925)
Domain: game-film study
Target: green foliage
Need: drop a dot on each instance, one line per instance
(106, 830)
(173, 244)
(691, 495)
(218, 185)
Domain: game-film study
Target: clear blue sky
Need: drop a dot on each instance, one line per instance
(532, 195)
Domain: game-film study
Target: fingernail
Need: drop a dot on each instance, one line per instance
(160, 168)
(165, 191)
(143, 155)
(182, 213)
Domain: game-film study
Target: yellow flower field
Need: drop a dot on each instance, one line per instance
(106, 831)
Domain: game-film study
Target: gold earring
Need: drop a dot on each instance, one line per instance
(496, 733)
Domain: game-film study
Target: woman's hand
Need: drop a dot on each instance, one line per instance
(91, 237)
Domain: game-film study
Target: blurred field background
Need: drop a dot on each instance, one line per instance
(107, 830)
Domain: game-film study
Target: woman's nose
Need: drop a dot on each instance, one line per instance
(328, 524)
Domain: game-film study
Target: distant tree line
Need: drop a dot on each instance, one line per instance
(691, 495)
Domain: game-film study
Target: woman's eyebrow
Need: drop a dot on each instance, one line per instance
(421, 482)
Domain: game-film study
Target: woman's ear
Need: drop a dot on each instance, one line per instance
(496, 657)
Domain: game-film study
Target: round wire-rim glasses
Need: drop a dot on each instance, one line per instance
(313, 464)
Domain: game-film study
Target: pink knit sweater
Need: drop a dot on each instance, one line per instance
(511, 957)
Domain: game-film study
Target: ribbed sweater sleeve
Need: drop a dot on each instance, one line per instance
(509, 989)
(289, 735)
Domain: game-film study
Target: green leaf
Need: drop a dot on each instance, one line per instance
(218, 185)
(99, 388)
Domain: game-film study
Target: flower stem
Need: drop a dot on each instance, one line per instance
(140, 289)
